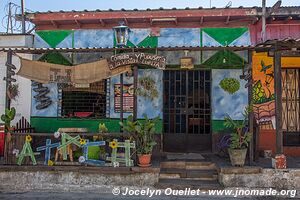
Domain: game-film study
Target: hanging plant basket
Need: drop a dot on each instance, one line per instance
(13, 91)
(230, 85)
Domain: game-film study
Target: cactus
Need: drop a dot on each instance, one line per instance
(103, 128)
(8, 117)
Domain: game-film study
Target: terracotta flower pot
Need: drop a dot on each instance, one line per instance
(237, 156)
(144, 160)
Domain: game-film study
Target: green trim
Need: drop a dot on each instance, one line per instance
(55, 58)
(231, 59)
(225, 36)
(50, 125)
(53, 38)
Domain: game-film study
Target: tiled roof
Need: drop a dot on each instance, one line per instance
(167, 9)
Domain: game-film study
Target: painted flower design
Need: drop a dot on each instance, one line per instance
(81, 159)
(57, 134)
(82, 141)
(50, 163)
(28, 138)
(113, 144)
(16, 152)
(116, 164)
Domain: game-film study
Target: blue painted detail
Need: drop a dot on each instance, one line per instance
(51, 110)
(179, 37)
(208, 41)
(138, 35)
(152, 108)
(67, 42)
(145, 105)
(93, 38)
(47, 149)
(224, 103)
(97, 163)
(86, 152)
(39, 42)
(243, 40)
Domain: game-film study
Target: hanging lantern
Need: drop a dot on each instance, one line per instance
(121, 34)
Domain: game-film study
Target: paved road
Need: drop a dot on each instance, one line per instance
(105, 196)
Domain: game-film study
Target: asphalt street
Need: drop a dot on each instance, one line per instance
(106, 196)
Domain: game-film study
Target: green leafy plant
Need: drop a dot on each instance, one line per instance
(102, 128)
(241, 136)
(8, 117)
(147, 88)
(230, 85)
(143, 133)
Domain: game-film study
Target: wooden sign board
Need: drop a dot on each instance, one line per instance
(186, 63)
(152, 60)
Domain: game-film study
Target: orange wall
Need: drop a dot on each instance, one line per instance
(267, 141)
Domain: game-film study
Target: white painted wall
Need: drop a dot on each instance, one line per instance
(23, 102)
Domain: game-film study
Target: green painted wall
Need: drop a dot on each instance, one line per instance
(218, 127)
(50, 125)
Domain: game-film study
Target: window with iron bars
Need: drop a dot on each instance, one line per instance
(291, 107)
(84, 101)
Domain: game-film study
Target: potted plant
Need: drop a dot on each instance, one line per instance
(143, 133)
(240, 138)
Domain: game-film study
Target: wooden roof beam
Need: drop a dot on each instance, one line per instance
(126, 22)
(202, 20)
(102, 22)
(55, 24)
(78, 23)
(227, 20)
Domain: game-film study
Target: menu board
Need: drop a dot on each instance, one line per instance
(128, 91)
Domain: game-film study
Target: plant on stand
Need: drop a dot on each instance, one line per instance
(143, 133)
(240, 138)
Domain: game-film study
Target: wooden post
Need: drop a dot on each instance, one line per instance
(135, 85)
(278, 101)
(7, 79)
(251, 116)
(121, 99)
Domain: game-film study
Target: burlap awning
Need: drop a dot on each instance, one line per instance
(44, 72)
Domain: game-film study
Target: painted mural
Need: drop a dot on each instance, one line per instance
(146, 105)
(263, 87)
(263, 91)
(52, 109)
(223, 102)
(165, 37)
(224, 37)
(225, 64)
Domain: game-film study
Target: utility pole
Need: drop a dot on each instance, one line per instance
(264, 13)
(23, 17)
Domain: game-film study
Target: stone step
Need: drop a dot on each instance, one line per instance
(187, 183)
(191, 174)
(192, 165)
